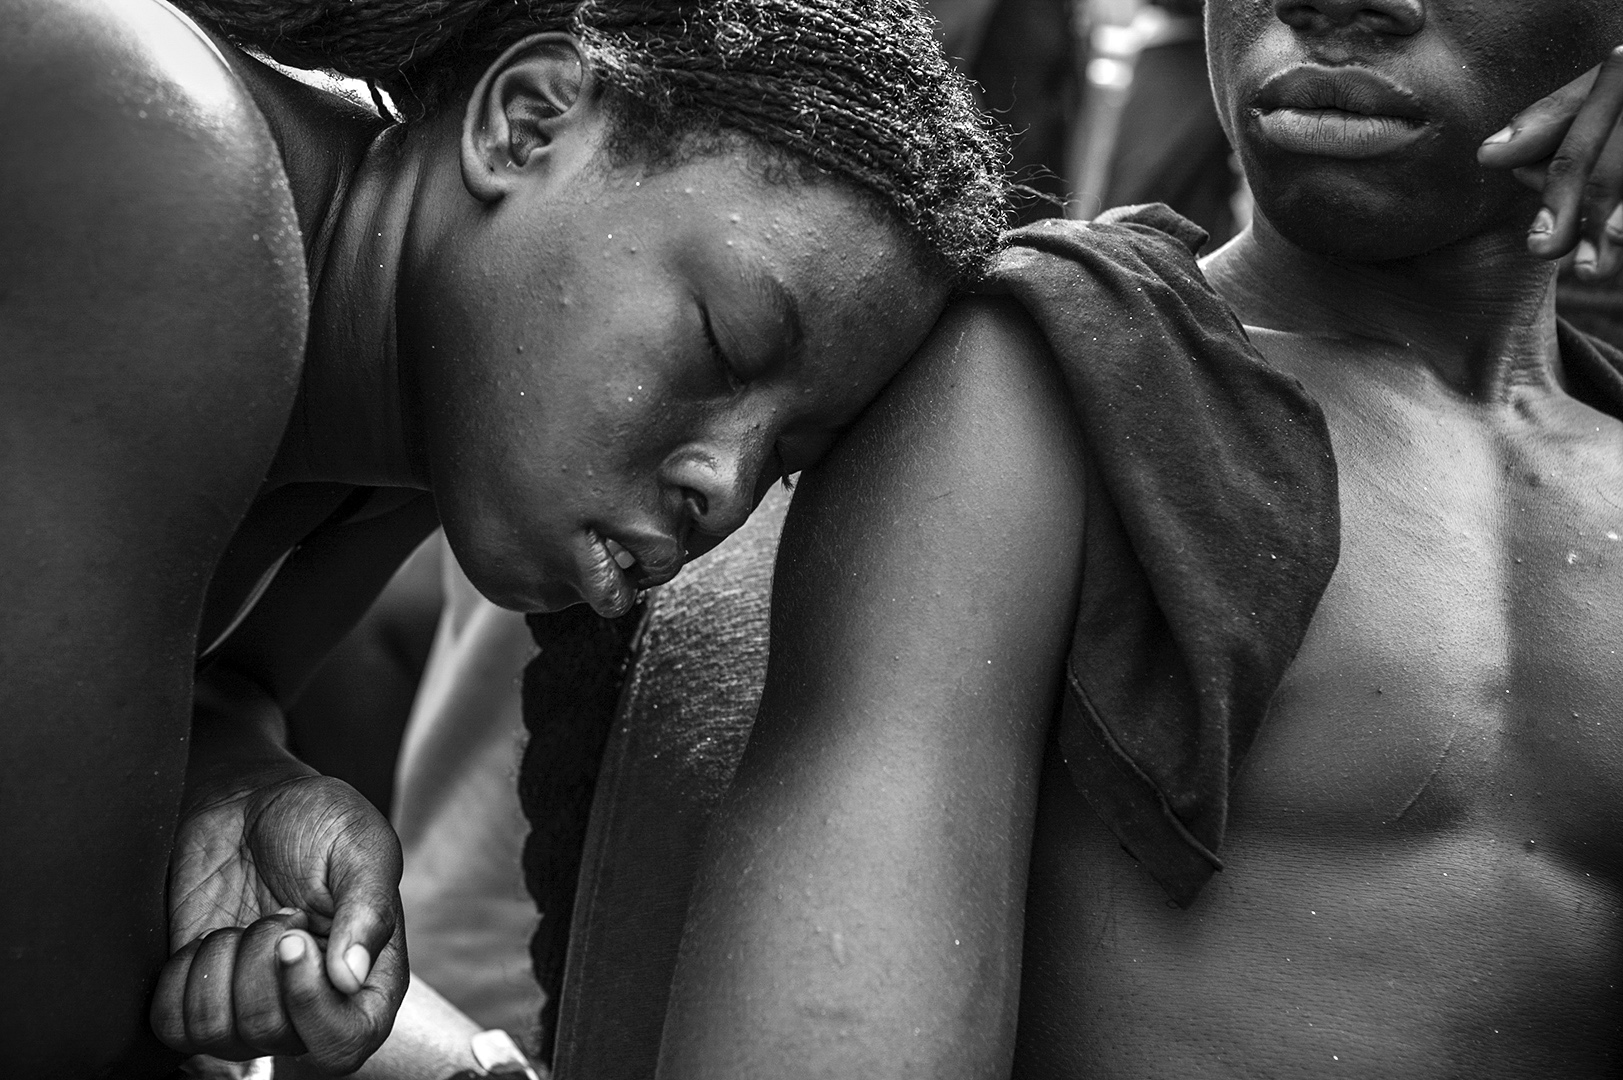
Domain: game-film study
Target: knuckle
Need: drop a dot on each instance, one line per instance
(209, 1026)
(263, 1028)
(1599, 189)
(1563, 166)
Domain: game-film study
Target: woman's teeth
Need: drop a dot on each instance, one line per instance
(622, 558)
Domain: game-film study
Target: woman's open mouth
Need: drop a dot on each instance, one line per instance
(611, 575)
(604, 581)
(1349, 113)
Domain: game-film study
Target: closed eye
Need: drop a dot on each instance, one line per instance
(734, 383)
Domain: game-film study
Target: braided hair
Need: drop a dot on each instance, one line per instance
(855, 89)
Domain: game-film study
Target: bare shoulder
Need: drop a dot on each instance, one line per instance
(981, 411)
(981, 345)
(133, 162)
(132, 72)
(150, 261)
(968, 465)
(153, 303)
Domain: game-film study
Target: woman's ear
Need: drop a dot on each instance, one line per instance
(536, 91)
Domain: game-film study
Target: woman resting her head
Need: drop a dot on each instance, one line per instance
(623, 266)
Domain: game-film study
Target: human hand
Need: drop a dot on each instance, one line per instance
(285, 921)
(1568, 146)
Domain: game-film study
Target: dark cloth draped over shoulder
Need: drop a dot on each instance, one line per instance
(1208, 547)
(1593, 369)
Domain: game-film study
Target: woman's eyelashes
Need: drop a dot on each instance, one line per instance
(729, 373)
(783, 468)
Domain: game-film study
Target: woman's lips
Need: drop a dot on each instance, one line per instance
(611, 574)
(1336, 133)
(603, 584)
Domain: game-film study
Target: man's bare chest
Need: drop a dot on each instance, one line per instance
(1462, 673)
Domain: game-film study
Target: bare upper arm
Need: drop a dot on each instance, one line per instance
(860, 908)
(151, 326)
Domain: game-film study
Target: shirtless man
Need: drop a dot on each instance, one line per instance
(1423, 867)
(257, 343)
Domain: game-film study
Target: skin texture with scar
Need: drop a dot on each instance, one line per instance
(239, 316)
(1423, 872)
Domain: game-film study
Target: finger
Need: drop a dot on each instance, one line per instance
(365, 884)
(168, 1014)
(210, 1021)
(1534, 133)
(1570, 170)
(1533, 176)
(340, 1031)
(1611, 245)
(1601, 195)
(256, 987)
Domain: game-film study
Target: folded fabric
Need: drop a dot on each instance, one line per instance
(1211, 530)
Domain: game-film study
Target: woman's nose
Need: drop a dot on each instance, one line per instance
(1398, 18)
(717, 490)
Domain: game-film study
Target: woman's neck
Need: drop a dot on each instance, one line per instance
(353, 179)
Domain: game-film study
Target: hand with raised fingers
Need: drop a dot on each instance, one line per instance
(285, 925)
(1569, 146)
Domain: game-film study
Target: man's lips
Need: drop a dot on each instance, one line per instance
(1340, 112)
(1344, 89)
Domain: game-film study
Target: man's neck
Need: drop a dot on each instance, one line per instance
(1480, 312)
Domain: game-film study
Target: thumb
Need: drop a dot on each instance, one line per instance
(365, 884)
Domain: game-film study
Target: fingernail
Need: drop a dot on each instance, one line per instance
(1543, 223)
(1614, 224)
(286, 911)
(360, 963)
(1503, 135)
(1586, 257)
(290, 948)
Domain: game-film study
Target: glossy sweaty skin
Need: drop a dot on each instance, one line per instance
(237, 316)
(1423, 873)
(1423, 876)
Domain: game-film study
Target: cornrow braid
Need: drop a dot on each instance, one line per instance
(856, 89)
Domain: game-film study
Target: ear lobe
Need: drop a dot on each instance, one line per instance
(536, 89)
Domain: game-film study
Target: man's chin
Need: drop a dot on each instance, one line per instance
(1365, 216)
(1346, 230)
